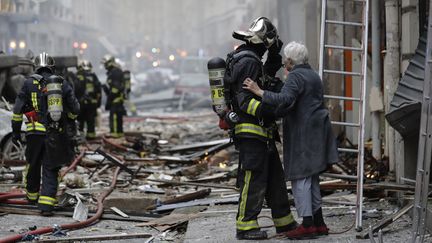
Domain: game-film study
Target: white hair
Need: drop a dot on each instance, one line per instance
(297, 52)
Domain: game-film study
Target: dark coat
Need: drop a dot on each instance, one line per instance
(308, 142)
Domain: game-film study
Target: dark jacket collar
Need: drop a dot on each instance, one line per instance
(306, 65)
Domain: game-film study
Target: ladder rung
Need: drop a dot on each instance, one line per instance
(348, 124)
(342, 72)
(344, 47)
(344, 23)
(348, 150)
(342, 98)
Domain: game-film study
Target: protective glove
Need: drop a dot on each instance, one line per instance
(16, 139)
(276, 47)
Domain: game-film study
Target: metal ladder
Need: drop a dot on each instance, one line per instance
(360, 100)
(425, 145)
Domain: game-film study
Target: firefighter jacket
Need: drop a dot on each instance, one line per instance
(88, 89)
(32, 102)
(115, 89)
(257, 120)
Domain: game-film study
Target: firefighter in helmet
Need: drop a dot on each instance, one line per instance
(88, 91)
(115, 91)
(260, 175)
(48, 103)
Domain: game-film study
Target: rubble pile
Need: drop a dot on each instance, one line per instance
(172, 168)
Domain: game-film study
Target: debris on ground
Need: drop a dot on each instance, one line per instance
(180, 168)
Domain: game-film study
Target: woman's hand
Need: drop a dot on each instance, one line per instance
(253, 87)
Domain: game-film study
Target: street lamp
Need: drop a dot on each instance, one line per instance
(84, 45)
(13, 45)
(22, 44)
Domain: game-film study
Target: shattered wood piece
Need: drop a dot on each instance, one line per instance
(97, 237)
(385, 222)
(211, 150)
(184, 198)
(119, 146)
(195, 145)
(188, 197)
(114, 160)
(392, 186)
(199, 202)
(85, 190)
(175, 158)
(189, 210)
(160, 159)
(194, 170)
(150, 189)
(101, 170)
(339, 176)
(211, 177)
(169, 221)
(193, 184)
(145, 161)
(338, 202)
(119, 212)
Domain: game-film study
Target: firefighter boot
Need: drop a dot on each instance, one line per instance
(254, 234)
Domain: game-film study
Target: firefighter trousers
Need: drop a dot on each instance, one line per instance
(261, 177)
(35, 153)
(37, 160)
(87, 117)
(116, 122)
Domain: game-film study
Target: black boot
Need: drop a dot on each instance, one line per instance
(255, 234)
(319, 224)
(287, 227)
(318, 219)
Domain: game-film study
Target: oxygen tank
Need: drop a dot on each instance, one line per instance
(216, 69)
(54, 97)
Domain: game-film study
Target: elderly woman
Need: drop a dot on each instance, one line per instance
(308, 143)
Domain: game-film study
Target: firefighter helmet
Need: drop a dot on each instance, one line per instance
(261, 31)
(108, 61)
(85, 65)
(44, 60)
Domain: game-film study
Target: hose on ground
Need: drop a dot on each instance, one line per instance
(77, 225)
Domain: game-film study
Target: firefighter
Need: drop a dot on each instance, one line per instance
(115, 91)
(88, 92)
(127, 90)
(260, 170)
(49, 104)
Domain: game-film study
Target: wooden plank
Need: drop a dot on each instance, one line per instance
(195, 145)
(199, 202)
(193, 184)
(119, 212)
(121, 236)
